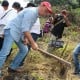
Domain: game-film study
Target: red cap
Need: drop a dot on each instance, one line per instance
(47, 5)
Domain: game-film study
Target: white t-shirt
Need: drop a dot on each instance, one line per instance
(36, 27)
(11, 13)
(2, 11)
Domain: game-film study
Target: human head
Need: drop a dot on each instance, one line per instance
(44, 8)
(30, 5)
(21, 8)
(64, 12)
(5, 4)
(16, 5)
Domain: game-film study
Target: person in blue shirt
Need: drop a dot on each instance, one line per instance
(17, 28)
(35, 30)
(76, 53)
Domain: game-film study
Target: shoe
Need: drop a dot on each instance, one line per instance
(14, 71)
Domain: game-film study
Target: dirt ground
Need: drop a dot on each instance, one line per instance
(42, 67)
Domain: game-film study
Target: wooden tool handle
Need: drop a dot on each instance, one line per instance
(55, 57)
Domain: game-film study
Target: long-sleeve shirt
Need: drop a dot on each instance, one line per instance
(23, 22)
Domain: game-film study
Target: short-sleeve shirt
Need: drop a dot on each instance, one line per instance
(23, 22)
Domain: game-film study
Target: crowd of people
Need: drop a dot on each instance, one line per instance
(18, 29)
(22, 26)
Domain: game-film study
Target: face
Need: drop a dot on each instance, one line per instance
(44, 12)
(5, 8)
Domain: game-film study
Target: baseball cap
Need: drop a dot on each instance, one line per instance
(47, 5)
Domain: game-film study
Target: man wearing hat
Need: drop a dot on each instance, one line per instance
(18, 27)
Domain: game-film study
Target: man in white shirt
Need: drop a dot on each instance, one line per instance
(12, 14)
(6, 15)
(3, 12)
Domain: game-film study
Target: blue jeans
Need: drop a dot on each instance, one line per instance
(35, 37)
(76, 54)
(7, 44)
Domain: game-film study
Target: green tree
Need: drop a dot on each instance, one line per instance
(78, 2)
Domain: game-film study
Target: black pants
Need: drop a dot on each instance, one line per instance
(1, 44)
(57, 31)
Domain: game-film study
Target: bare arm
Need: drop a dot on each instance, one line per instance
(67, 21)
(31, 41)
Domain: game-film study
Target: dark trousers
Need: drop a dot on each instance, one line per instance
(1, 44)
(57, 31)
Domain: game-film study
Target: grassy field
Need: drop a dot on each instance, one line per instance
(42, 67)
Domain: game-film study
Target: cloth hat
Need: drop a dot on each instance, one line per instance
(47, 5)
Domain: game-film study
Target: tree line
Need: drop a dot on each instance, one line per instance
(72, 3)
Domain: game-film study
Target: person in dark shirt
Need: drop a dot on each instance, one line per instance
(60, 22)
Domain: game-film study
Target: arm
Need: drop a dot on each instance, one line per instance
(67, 21)
(31, 41)
(27, 23)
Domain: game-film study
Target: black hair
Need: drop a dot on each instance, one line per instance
(5, 3)
(30, 5)
(21, 8)
(16, 5)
